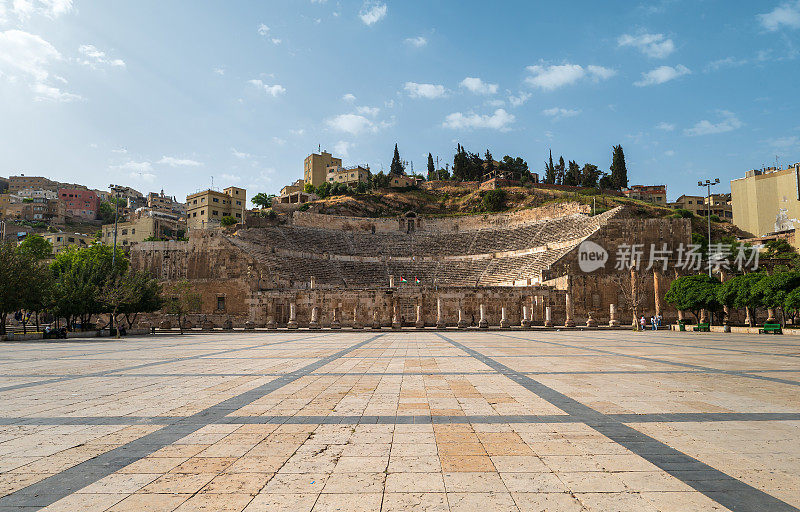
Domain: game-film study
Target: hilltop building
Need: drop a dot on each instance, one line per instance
(767, 200)
(656, 194)
(207, 208)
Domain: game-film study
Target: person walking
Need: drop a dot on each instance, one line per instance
(653, 322)
(642, 322)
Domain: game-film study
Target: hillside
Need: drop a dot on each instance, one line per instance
(457, 199)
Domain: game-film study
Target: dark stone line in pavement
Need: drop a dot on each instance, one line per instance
(718, 486)
(60, 485)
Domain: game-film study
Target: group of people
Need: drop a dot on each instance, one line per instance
(655, 322)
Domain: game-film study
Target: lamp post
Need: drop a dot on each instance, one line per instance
(708, 184)
(115, 189)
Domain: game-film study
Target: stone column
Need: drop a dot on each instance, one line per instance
(420, 322)
(703, 316)
(356, 323)
(271, 316)
(548, 316)
(376, 321)
(504, 323)
(462, 324)
(612, 314)
(771, 315)
(569, 322)
(440, 323)
(313, 282)
(292, 316)
(395, 317)
(748, 319)
(483, 323)
(391, 281)
(314, 323)
(680, 315)
(525, 323)
(591, 322)
(335, 324)
(657, 291)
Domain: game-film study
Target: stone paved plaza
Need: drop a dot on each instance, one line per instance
(318, 420)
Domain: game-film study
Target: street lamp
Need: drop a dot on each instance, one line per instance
(115, 189)
(708, 184)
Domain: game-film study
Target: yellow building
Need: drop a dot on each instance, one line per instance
(62, 241)
(348, 175)
(315, 167)
(205, 209)
(401, 181)
(146, 224)
(297, 186)
(766, 201)
(720, 205)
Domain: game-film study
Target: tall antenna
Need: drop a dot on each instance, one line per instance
(212, 183)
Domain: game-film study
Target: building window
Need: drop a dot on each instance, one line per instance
(238, 215)
(220, 303)
(216, 200)
(194, 214)
(124, 231)
(215, 213)
(133, 231)
(202, 212)
(238, 203)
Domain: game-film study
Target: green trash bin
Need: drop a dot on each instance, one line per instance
(681, 325)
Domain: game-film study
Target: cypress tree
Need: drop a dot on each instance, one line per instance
(431, 168)
(397, 166)
(619, 173)
(489, 164)
(550, 170)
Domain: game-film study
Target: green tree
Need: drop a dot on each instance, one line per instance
(130, 294)
(737, 292)
(779, 249)
(489, 159)
(397, 165)
(19, 276)
(619, 173)
(561, 170)
(573, 174)
(605, 182)
(181, 300)
(324, 190)
(771, 290)
(517, 166)
(262, 200)
(589, 176)
(549, 171)
(309, 188)
(494, 200)
(36, 246)
(694, 293)
(228, 221)
(431, 168)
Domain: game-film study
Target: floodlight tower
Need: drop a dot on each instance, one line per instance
(708, 184)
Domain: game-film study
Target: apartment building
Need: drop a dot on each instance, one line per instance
(80, 203)
(348, 175)
(720, 205)
(165, 203)
(766, 200)
(62, 241)
(145, 224)
(656, 194)
(316, 165)
(207, 208)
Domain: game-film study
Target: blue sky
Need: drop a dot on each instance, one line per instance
(168, 94)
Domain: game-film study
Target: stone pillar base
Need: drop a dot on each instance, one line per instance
(420, 325)
(313, 326)
(292, 325)
(613, 323)
(207, 326)
(569, 323)
(462, 324)
(336, 325)
(525, 324)
(396, 325)
(505, 324)
(165, 324)
(548, 323)
(249, 326)
(271, 325)
(483, 324)
(591, 322)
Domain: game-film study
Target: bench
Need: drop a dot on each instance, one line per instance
(771, 329)
(702, 328)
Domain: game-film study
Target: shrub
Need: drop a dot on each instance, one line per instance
(682, 213)
(304, 207)
(715, 218)
(494, 200)
(228, 221)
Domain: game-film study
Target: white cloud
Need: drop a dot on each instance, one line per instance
(299, 131)
(495, 102)
(240, 155)
(372, 12)
(179, 162)
(142, 171)
(785, 142)
(520, 99)
(497, 121)
(368, 111)
(230, 178)
(728, 62)
(351, 123)
(349, 97)
(417, 42)
(24, 9)
(560, 113)
(279, 141)
(428, 91)
(669, 152)
(728, 123)
(342, 148)
(27, 58)
(662, 74)
(263, 30)
(276, 41)
(478, 86)
(787, 14)
(219, 71)
(667, 127)
(552, 77)
(272, 90)
(652, 45)
(96, 57)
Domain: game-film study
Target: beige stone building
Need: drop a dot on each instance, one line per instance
(656, 194)
(145, 224)
(401, 181)
(207, 208)
(720, 205)
(315, 167)
(348, 175)
(766, 200)
(165, 203)
(62, 241)
(297, 186)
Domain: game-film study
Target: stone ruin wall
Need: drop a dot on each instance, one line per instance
(438, 224)
(597, 290)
